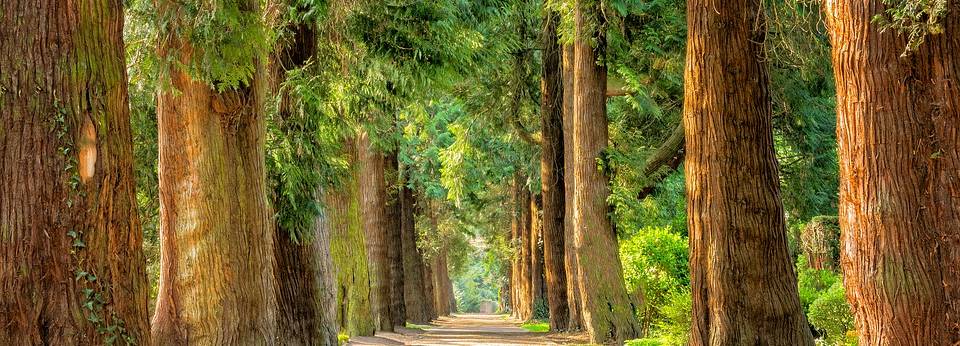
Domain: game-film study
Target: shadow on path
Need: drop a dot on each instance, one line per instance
(469, 329)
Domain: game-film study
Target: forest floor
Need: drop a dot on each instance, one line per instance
(470, 329)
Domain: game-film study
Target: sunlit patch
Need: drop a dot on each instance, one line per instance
(88, 150)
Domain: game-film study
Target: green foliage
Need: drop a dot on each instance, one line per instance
(673, 328)
(831, 315)
(812, 283)
(655, 268)
(914, 18)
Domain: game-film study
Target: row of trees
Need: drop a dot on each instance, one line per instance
(896, 176)
(302, 192)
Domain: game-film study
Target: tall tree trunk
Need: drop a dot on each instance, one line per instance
(608, 313)
(306, 293)
(305, 288)
(430, 292)
(538, 290)
(373, 192)
(70, 239)
(216, 230)
(523, 270)
(414, 287)
(898, 128)
(569, 183)
(443, 288)
(395, 243)
(348, 249)
(551, 175)
(743, 282)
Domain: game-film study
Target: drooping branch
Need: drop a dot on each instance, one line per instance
(670, 154)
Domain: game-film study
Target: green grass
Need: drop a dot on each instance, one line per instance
(536, 326)
(416, 326)
(342, 339)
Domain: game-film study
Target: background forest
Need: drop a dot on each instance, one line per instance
(648, 172)
(452, 87)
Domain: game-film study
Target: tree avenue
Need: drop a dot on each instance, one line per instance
(617, 172)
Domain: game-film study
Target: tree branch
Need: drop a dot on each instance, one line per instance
(670, 154)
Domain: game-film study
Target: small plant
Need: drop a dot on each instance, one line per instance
(831, 315)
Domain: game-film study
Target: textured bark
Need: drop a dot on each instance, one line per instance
(395, 243)
(538, 290)
(216, 235)
(414, 288)
(742, 279)
(551, 176)
(443, 287)
(569, 183)
(430, 291)
(306, 291)
(373, 192)
(66, 177)
(898, 128)
(306, 284)
(608, 313)
(819, 242)
(523, 260)
(348, 249)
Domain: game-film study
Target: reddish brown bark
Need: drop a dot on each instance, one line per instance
(898, 129)
(569, 183)
(743, 282)
(608, 313)
(523, 258)
(373, 192)
(551, 175)
(68, 214)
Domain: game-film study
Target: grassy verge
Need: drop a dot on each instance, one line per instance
(536, 326)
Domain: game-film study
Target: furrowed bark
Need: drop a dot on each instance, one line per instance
(414, 287)
(898, 129)
(306, 284)
(569, 183)
(216, 230)
(373, 192)
(552, 175)
(395, 243)
(743, 282)
(608, 313)
(69, 231)
(348, 249)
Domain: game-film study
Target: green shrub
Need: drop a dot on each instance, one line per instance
(831, 315)
(541, 311)
(673, 327)
(812, 283)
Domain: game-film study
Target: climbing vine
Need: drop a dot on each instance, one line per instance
(94, 302)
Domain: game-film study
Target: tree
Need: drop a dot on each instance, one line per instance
(395, 241)
(373, 192)
(216, 227)
(348, 249)
(305, 280)
(551, 175)
(415, 294)
(898, 116)
(569, 185)
(71, 264)
(601, 273)
(743, 282)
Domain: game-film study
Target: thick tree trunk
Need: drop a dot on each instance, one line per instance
(216, 227)
(551, 175)
(538, 290)
(373, 192)
(898, 128)
(430, 291)
(306, 288)
(569, 183)
(306, 292)
(414, 288)
(523, 263)
(395, 242)
(743, 282)
(348, 249)
(608, 313)
(443, 288)
(70, 240)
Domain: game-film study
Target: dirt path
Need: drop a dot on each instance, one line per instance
(469, 329)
